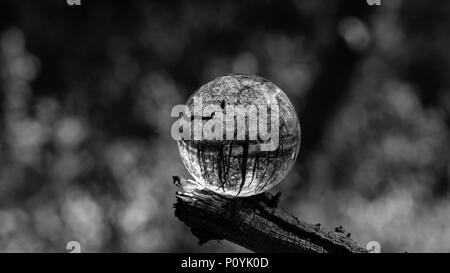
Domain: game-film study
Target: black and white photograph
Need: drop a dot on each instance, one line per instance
(236, 128)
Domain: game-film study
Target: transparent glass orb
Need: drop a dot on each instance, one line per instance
(236, 167)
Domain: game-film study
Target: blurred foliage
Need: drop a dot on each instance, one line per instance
(86, 94)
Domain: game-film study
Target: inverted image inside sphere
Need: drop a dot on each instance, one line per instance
(240, 167)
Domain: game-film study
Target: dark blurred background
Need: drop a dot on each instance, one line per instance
(86, 93)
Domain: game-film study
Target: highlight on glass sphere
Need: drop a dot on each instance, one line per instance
(245, 135)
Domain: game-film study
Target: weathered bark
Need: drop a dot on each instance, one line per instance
(256, 223)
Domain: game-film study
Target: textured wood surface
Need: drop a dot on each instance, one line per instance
(256, 224)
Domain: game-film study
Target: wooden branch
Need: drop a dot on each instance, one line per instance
(255, 223)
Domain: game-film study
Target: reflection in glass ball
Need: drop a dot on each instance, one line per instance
(240, 166)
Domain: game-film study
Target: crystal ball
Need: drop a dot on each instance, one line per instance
(248, 135)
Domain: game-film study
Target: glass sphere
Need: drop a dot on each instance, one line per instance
(242, 166)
